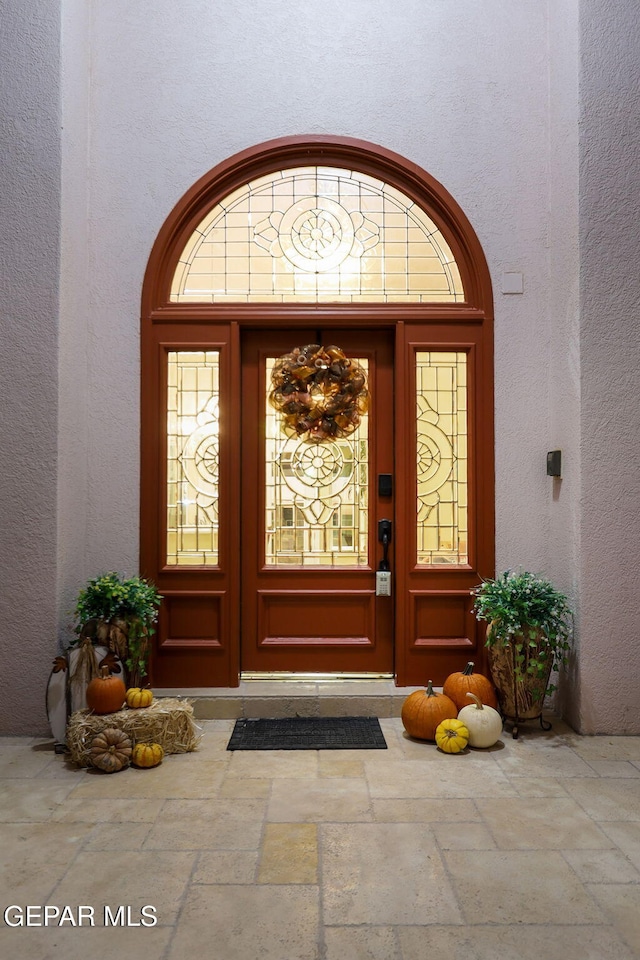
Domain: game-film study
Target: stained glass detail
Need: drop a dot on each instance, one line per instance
(442, 507)
(320, 234)
(193, 391)
(316, 496)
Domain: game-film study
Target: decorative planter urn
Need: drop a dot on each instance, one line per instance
(520, 695)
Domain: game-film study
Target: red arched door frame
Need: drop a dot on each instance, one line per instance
(198, 635)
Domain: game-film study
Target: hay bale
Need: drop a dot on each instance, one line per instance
(167, 721)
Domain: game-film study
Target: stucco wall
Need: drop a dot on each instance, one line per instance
(609, 662)
(29, 272)
(175, 93)
(483, 96)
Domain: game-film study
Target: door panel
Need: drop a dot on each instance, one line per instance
(445, 504)
(190, 504)
(309, 522)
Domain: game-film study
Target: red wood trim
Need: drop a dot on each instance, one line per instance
(234, 533)
(190, 645)
(288, 152)
(402, 492)
(323, 314)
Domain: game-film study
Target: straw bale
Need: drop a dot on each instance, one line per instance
(167, 721)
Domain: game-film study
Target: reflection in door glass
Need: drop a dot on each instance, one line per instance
(442, 515)
(316, 496)
(192, 457)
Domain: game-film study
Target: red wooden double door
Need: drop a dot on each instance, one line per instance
(288, 584)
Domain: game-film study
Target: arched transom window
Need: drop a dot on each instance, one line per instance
(320, 234)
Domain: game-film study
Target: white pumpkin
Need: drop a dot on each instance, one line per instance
(483, 723)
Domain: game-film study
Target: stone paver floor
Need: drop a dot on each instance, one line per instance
(527, 851)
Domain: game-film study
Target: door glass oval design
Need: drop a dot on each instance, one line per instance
(193, 396)
(316, 495)
(441, 455)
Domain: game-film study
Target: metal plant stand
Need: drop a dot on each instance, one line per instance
(520, 701)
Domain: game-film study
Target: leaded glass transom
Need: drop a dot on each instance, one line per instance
(442, 508)
(317, 234)
(193, 391)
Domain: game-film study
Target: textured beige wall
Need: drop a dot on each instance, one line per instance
(608, 665)
(29, 274)
(484, 97)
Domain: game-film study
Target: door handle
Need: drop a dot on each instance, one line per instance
(384, 536)
(383, 573)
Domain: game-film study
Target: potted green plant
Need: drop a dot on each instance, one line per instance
(528, 637)
(121, 613)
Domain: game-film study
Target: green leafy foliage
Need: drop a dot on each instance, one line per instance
(526, 610)
(111, 597)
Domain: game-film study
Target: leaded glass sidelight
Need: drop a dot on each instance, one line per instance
(316, 496)
(317, 234)
(192, 457)
(442, 511)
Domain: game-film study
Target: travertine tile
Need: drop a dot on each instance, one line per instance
(602, 866)
(518, 942)
(449, 778)
(316, 800)
(226, 866)
(529, 851)
(208, 825)
(35, 856)
(419, 810)
(463, 836)
(167, 780)
(525, 824)
(277, 708)
(118, 836)
(365, 867)
(90, 810)
(78, 943)
(518, 887)
(607, 798)
(621, 904)
(343, 706)
(289, 853)
(340, 763)
(529, 760)
(213, 708)
(615, 768)
(539, 787)
(135, 879)
(604, 748)
(31, 799)
(240, 922)
(627, 837)
(20, 762)
(364, 943)
(244, 787)
(273, 764)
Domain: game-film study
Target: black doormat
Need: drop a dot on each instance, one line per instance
(308, 733)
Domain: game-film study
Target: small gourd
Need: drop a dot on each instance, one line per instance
(110, 750)
(423, 710)
(457, 685)
(137, 697)
(147, 755)
(484, 723)
(452, 736)
(106, 693)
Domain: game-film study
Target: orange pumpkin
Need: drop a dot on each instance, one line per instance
(458, 685)
(105, 694)
(423, 710)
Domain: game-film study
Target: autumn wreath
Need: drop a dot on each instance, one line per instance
(320, 392)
